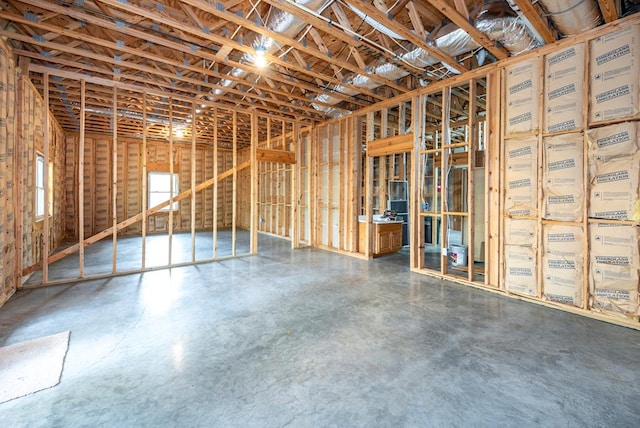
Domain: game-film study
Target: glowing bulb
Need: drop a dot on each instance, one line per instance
(179, 133)
(259, 59)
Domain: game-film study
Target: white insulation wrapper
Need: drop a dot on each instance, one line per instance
(562, 264)
(614, 70)
(520, 270)
(522, 88)
(614, 264)
(563, 178)
(520, 232)
(563, 89)
(614, 189)
(610, 142)
(521, 176)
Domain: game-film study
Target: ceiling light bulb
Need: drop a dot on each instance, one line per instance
(259, 59)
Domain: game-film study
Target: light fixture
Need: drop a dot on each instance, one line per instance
(179, 133)
(259, 59)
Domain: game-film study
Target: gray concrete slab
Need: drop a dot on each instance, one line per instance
(312, 338)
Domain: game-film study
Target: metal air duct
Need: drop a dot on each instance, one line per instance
(572, 17)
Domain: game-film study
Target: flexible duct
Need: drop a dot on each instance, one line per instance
(509, 31)
(573, 17)
(279, 22)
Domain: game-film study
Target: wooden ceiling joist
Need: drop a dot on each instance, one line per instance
(400, 29)
(204, 50)
(534, 16)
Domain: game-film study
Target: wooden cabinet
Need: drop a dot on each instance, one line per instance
(387, 237)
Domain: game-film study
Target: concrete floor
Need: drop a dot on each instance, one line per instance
(98, 257)
(312, 338)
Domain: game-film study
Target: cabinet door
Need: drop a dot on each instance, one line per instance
(396, 239)
(383, 242)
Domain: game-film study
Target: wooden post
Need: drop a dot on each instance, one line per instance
(313, 178)
(254, 184)
(171, 172)
(416, 240)
(358, 177)
(45, 224)
(145, 200)
(19, 168)
(193, 181)
(215, 183)
(234, 198)
(444, 186)
(295, 189)
(329, 196)
(471, 166)
(493, 178)
(83, 100)
(368, 190)
(585, 182)
(541, 114)
(114, 179)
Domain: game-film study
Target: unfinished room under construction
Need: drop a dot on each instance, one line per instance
(319, 212)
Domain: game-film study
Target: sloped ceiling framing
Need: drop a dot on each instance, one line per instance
(192, 55)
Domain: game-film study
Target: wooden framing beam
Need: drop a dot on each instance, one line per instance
(132, 88)
(136, 218)
(81, 145)
(277, 156)
(114, 179)
(386, 146)
(245, 23)
(608, 9)
(540, 24)
(400, 29)
(186, 48)
(457, 18)
(144, 192)
(45, 222)
(235, 19)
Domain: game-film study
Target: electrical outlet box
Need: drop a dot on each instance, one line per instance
(444, 251)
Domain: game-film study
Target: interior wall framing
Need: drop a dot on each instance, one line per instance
(107, 174)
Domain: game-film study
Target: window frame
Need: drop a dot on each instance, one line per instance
(39, 196)
(150, 191)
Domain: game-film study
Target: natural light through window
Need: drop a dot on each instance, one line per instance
(39, 185)
(159, 185)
